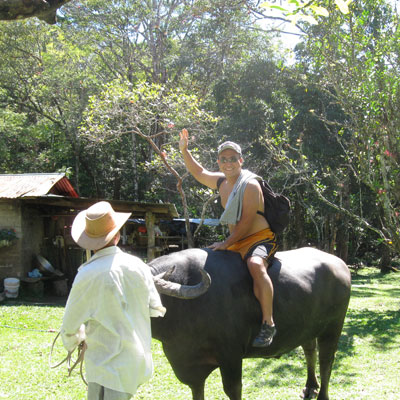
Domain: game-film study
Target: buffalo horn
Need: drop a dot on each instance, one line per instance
(174, 289)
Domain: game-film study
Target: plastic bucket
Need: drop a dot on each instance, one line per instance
(11, 287)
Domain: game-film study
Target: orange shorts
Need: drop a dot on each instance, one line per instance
(262, 244)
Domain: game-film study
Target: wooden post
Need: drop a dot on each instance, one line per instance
(151, 238)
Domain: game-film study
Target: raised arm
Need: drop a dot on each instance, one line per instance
(201, 174)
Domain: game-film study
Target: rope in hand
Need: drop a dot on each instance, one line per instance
(81, 355)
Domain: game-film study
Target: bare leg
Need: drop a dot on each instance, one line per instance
(262, 286)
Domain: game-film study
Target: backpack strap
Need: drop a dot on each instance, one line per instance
(263, 214)
(219, 181)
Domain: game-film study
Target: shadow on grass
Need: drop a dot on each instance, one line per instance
(363, 292)
(379, 323)
(377, 318)
(280, 375)
(371, 275)
(27, 301)
(382, 325)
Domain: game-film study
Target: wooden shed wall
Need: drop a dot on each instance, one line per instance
(32, 237)
(10, 257)
(17, 260)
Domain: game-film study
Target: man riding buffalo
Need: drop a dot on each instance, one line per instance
(250, 233)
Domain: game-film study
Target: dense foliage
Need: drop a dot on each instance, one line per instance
(103, 94)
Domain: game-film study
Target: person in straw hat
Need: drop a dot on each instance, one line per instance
(109, 307)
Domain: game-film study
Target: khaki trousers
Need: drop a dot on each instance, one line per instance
(98, 392)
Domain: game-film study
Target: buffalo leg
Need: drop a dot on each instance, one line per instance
(231, 373)
(195, 377)
(188, 371)
(310, 351)
(327, 348)
(198, 391)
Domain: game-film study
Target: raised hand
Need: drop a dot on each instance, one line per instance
(184, 140)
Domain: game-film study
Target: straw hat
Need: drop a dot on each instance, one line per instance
(93, 228)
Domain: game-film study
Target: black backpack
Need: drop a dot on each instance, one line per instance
(276, 206)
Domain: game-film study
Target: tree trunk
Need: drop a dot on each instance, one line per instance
(385, 262)
(117, 186)
(332, 233)
(342, 242)
(134, 168)
(151, 237)
(298, 225)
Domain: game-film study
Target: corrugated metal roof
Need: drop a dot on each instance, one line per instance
(13, 186)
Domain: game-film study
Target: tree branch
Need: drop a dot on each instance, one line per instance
(45, 10)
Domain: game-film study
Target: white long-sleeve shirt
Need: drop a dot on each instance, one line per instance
(113, 294)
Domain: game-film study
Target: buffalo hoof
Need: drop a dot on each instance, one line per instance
(309, 393)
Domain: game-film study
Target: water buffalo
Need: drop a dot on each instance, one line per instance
(216, 329)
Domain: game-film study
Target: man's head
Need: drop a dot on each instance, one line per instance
(230, 158)
(95, 227)
(229, 145)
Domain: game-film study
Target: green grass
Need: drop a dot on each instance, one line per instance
(367, 364)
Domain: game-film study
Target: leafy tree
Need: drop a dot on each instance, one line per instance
(124, 113)
(158, 42)
(296, 11)
(324, 131)
(19, 146)
(36, 84)
(267, 111)
(180, 44)
(46, 10)
(354, 57)
(162, 40)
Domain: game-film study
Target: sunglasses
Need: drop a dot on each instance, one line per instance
(232, 159)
